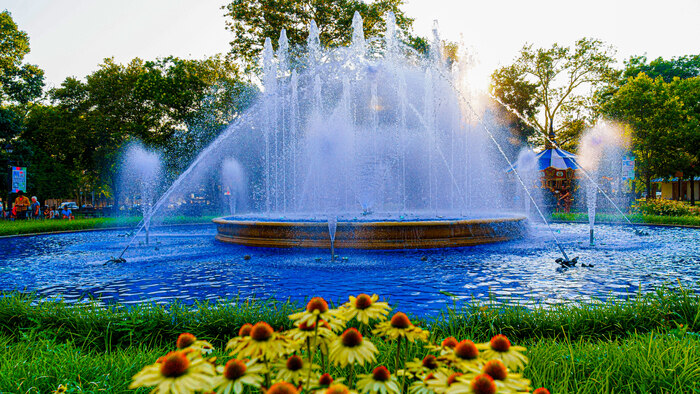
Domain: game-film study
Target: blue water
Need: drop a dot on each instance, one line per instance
(187, 264)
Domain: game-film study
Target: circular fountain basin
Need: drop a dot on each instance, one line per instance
(369, 234)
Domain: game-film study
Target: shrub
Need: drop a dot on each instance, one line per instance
(665, 208)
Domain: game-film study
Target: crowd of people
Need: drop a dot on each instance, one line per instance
(26, 209)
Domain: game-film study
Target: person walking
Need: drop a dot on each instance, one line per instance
(21, 205)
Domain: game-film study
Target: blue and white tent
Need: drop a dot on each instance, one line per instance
(556, 158)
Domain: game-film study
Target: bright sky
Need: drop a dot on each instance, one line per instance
(71, 37)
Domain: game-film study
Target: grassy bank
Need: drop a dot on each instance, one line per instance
(19, 227)
(642, 344)
(688, 220)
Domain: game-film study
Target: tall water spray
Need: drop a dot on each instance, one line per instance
(600, 154)
(140, 179)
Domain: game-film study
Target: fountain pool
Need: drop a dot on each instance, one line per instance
(186, 263)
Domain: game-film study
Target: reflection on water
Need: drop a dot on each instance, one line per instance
(186, 263)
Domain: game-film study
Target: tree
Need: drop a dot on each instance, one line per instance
(20, 83)
(553, 86)
(254, 20)
(657, 118)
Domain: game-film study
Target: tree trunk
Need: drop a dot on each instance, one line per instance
(647, 179)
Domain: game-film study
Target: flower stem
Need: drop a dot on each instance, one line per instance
(352, 374)
(311, 354)
(398, 354)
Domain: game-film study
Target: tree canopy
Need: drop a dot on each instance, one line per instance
(252, 21)
(551, 87)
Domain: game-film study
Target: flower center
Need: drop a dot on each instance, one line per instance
(483, 384)
(429, 377)
(541, 390)
(381, 374)
(430, 362)
(496, 370)
(450, 342)
(294, 363)
(325, 380)
(175, 364)
(453, 378)
(185, 340)
(261, 332)
(282, 388)
(317, 304)
(245, 330)
(466, 350)
(400, 320)
(234, 369)
(500, 343)
(351, 338)
(363, 301)
(337, 389)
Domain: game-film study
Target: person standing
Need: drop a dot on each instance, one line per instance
(35, 208)
(2, 209)
(21, 205)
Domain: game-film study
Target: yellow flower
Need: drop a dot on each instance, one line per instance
(400, 327)
(187, 340)
(363, 307)
(295, 370)
(480, 384)
(464, 356)
(379, 381)
(446, 346)
(324, 382)
(351, 347)
(339, 389)
(303, 332)
(504, 380)
(60, 389)
(263, 342)
(441, 382)
(176, 373)
(281, 388)
(237, 373)
(500, 348)
(422, 386)
(316, 309)
(420, 368)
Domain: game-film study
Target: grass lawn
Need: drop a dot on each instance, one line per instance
(19, 227)
(646, 343)
(636, 218)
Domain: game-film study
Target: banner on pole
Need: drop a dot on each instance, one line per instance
(19, 179)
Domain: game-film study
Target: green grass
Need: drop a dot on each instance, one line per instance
(643, 344)
(19, 227)
(634, 218)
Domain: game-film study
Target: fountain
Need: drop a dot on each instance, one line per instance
(368, 144)
(600, 155)
(139, 180)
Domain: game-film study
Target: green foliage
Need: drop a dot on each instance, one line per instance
(20, 227)
(656, 362)
(682, 67)
(642, 344)
(664, 121)
(688, 220)
(664, 207)
(21, 83)
(253, 21)
(550, 86)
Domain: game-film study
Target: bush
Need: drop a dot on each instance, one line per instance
(665, 208)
